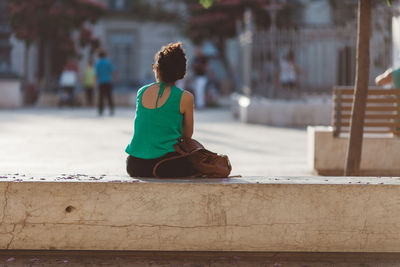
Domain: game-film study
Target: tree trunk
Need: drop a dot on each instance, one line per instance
(26, 63)
(222, 54)
(353, 157)
(47, 64)
(221, 46)
(25, 82)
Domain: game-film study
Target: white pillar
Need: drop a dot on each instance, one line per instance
(396, 37)
(10, 93)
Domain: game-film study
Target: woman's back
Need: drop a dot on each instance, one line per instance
(156, 129)
(150, 95)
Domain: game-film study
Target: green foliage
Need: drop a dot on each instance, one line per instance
(150, 11)
(389, 2)
(51, 19)
(50, 23)
(219, 21)
(206, 3)
(144, 10)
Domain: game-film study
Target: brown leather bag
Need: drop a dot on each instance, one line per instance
(205, 162)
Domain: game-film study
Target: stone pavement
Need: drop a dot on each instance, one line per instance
(56, 141)
(44, 258)
(194, 259)
(52, 141)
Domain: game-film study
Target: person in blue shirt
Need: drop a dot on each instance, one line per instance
(105, 74)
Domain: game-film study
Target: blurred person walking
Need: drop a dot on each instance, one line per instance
(89, 79)
(289, 71)
(212, 90)
(68, 82)
(105, 74)
(199, 67)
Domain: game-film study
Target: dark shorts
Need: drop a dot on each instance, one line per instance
(137, 167)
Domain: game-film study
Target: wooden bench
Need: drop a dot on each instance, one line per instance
(382, 114)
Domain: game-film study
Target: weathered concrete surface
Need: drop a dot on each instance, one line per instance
(79, 141)
(247, 214)
(287, 113)
(327, 154)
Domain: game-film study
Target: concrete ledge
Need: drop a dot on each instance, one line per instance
(10, 93)
(280, 112)
(326, 153)
(247, 214)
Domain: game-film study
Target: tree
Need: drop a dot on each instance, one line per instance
(217, 21)
(51, 22)
(354, 149)
(156, 10)
(25, 30)
(353, 157)
(86, 38)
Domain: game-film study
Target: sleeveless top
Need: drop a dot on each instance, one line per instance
(156, 130)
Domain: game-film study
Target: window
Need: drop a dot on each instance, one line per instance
(122, 55)
(117, 4)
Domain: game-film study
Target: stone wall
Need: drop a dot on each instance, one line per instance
(247, 214)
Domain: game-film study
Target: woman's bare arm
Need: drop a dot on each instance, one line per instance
(187, 107)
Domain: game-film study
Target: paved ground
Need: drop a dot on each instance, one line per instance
(195, 259)
(54, 141)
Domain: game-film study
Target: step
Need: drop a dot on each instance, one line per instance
(319, 214)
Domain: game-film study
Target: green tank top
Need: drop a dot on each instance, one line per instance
(156, 130)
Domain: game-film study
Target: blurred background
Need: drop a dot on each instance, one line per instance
(269, 62)
(249, 45)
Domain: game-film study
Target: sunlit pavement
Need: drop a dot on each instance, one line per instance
(55, 141)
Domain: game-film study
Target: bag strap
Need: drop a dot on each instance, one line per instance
(182, 155)
(166, 160)
(180, 151)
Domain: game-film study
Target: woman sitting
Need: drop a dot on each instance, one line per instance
(164, 113)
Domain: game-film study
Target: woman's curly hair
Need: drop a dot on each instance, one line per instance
(170, 63)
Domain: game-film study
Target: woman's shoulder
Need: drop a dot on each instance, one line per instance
(180, 90)
(187, 102)
(187, 97)
(144, 87)
(183, 92)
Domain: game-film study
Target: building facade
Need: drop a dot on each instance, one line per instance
(5, 44)
(323, 43)
(130, 44)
